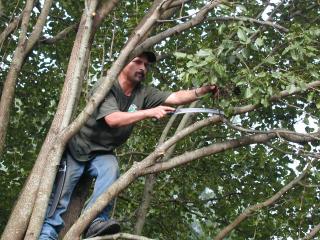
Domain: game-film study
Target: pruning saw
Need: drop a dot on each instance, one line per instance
(197, 110)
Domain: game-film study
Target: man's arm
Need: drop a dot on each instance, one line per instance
(120, 119)
(188, 96)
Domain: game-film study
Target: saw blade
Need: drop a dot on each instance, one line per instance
(198, 110)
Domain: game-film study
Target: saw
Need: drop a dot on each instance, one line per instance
(197, 110)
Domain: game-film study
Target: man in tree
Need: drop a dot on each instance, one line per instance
(91, 150)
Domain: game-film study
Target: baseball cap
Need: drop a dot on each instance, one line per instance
(150, 56)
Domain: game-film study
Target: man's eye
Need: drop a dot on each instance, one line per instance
(138, 61)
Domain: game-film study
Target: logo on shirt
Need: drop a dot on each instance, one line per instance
(132, 108)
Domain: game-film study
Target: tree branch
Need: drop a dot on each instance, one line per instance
(9, 29)
(251, 20)
(282, 94)
(197, 19)
(313, 233)
(248, 211)
(38, 27)
(119, 236)
(60, 35)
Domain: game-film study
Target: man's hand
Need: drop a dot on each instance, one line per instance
(159, 112)
(213, 89)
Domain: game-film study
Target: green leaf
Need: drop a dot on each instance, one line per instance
(248, 93)
(221, 28)
(204, 53)
(270, 60)
(180, 55)
(259, 42)
(242, 35)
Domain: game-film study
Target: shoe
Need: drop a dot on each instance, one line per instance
(100, 228)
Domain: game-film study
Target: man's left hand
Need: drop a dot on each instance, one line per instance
(213, 89)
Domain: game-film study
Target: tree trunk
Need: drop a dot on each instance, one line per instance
(77, 202)
(18, 221)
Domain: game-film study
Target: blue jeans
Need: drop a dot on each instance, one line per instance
(104, 168)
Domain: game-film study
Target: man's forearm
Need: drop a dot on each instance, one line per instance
(187, 96)
(120, 119)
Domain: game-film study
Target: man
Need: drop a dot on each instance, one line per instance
(91, 150)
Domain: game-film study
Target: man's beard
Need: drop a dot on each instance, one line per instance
(139, 76)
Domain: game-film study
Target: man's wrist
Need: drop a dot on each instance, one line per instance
(196, 93)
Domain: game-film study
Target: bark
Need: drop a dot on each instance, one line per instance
(120, 236)
(73, 83)
(10, 82)
(24, 47)
(26, 200)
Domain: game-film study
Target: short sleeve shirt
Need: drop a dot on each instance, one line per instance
(96, 136)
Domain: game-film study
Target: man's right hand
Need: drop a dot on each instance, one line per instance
(159, 112)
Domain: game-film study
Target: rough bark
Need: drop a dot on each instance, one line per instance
(9, 84)
(24, 47)
(19, 220)
(63, 116)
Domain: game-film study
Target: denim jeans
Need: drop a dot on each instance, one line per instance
(104, 168)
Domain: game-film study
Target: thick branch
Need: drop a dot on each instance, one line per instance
(97, 98)
(65, 107)
(120, 236)
(223, 146)
(10, 82)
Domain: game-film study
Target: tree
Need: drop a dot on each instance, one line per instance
(250, 172)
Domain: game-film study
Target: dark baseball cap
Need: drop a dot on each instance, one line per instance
(150, 56)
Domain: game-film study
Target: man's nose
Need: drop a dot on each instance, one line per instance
(143, 68)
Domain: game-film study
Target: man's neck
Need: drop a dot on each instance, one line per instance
(126, 85)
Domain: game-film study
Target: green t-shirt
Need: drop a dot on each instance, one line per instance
(96, 136)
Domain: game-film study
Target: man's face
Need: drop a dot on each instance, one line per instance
(136, 70)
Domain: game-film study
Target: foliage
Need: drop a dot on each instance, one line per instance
(249, 62)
